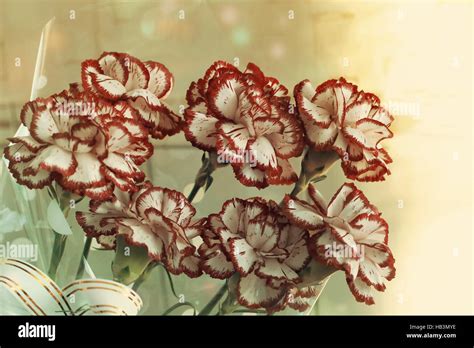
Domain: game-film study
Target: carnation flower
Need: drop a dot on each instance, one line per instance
(252, 239)
(143, 85)
(245, 117)
(158, 219)
(88, 146)
(349, 234)
(338, 117)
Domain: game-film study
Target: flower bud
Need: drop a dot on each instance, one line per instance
(130, 261)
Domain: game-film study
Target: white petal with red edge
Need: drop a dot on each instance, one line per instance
(250, 176)
(370, 274)
(379, 254)
(290, 142)
(274, 269)
(101, 192)
(87, 173)
(267, 125)
(302, 213)
(370, 229)
(367, 133)
(348, 202)
(84, 131)
(29, 142)
(243, 256)
(342, 231)
(264, 153)
(361, 291)
(217, 265)
(122, 166)
(138, 74)
(325, 248)
(253, 292)
(19, 153)
(112, 66)
(299, 256)
(170, 203)
(43, 126)
(119, 137)
(231, 215)
(317, 108)
(374, 173)
(381, 115)
(88, 69)
(340, 146)
(191, 267)
(224, 97)
(107, 86)
(56, 159)
(161, 80)
(237, 135)
(262, 236)
(107, 242)
(345, 94)
(374, 131)
(39, 179)
(200, 130)
(95, 224)
(356, 111)
(286, 176)
(320, 137)
(144, 95)
(123, 183)
(142, 235)
(317, 198)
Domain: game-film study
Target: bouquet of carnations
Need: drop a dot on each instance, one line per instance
(90, 141)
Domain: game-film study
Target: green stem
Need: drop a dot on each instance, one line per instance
(203, 176)
(58, 251)
(85, 255)
(144, 276)
(193, 192)
(214, 301)
(314, 167)
(59, 244)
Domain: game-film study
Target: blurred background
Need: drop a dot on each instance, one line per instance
(415, 55)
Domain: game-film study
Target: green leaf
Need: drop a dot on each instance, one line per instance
(209, 181)
(56, 219)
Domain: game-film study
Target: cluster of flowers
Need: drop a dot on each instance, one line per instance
(92, 138)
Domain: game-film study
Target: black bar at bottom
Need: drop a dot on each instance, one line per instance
(292, 331)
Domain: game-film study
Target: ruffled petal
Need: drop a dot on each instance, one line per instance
(302, 214)
(217, 265)
(317, 108)
(253, 292)
(224, 96)
(285, 175)
(243, 256)
(250, 176)
(348, 202)
(161, 80)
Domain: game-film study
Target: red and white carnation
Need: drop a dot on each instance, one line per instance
(87, 145)
(156, 218)
(349, 234)
(252, 238)
(338, 117)
(143, 85)
(245, 117)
